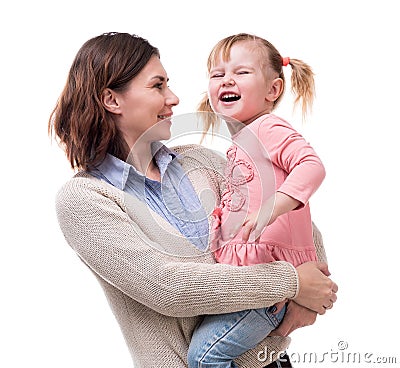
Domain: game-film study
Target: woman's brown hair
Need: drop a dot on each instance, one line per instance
(80, 122)
(302, 79)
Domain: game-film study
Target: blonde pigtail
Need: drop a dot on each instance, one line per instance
(209, 118)
(303, 85)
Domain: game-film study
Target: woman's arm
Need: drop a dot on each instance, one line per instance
(92, 217)
(298, 316)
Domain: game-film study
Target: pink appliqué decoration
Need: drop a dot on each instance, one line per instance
(234, 198)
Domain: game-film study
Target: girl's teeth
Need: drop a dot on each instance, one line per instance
(230, 97)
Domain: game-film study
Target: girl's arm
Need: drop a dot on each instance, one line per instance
(287, 149)
(274, 207)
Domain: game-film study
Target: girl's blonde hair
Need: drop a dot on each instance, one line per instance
(302, 78)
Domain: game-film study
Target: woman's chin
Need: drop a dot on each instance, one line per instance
(165, 136)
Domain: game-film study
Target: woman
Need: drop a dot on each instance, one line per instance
(133, 215)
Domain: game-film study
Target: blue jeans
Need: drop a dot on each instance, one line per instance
(221, 338)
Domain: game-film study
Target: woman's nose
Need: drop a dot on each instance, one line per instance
(172, 99)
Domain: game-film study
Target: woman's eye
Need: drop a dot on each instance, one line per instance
(159, 85)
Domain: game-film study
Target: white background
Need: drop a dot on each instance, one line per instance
(53, 312)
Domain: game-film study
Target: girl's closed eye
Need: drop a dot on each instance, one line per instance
(216, 73)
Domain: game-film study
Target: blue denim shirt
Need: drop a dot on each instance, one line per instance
(174, 198)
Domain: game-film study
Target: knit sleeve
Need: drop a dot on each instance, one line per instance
(96, 225)
(319, 244)
(288, 150)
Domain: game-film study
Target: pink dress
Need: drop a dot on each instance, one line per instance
(267, 156)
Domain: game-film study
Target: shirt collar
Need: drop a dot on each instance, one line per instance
(117, 171)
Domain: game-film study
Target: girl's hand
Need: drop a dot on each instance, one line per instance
(274, 207)
(255, 224)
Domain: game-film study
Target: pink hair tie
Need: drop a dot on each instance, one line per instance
(285, 61)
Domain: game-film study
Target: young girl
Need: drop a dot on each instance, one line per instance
(271, 174)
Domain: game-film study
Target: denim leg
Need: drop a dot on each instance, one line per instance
(221, 338)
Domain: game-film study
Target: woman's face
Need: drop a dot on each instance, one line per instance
(146, 102)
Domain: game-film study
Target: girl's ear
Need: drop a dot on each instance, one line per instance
(275, 89)
(110, 101)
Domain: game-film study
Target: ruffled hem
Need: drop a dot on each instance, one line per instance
(247, 254)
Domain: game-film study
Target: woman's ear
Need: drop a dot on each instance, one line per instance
(110, 101)
(275, 90)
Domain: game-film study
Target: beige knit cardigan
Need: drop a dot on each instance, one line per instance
(157, 283)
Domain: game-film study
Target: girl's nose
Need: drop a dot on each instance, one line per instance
(227, 80)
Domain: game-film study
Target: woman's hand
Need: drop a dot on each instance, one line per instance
(316, 290)
(296, 316)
